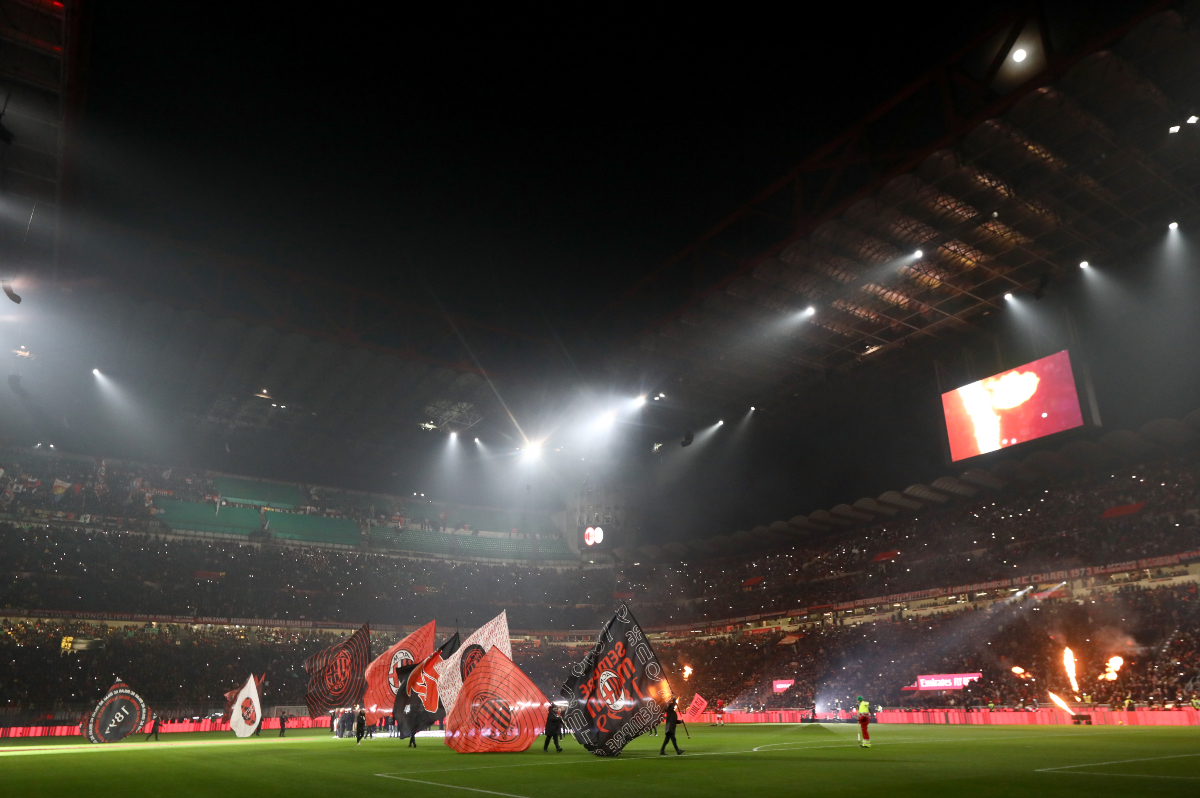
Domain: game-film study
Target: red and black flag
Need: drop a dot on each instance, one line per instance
(336, 676)
(418, 701)
(618, 691)
(499, 709)
(381, 673)
(119, 714)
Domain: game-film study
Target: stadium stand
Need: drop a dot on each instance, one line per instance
(254, 492)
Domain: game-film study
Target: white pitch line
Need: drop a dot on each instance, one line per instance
(1063, 768)
(450, 786)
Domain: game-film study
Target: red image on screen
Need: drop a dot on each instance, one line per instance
(1028, 402)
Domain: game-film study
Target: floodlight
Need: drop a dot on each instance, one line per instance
(606, 420)
(96, 372)
(641, 400)
(1193, 120)
(719, 423)
(751, 407)
(1008, 296)
(477, 440)
(453, 435)
(918, 254)
(1173, 225)
(1083, 264)
(1019, 55)
(811, 310)
(1173, 129)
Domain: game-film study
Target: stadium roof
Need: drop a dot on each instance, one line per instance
(1004, 167)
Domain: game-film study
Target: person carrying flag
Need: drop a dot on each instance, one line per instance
(864, 718)
(154, 729)
(669, 737)
(554, 724)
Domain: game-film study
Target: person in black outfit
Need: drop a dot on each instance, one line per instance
(360, 725)
(672, 722)
(283, 719)
(154, 729)
(553, 729)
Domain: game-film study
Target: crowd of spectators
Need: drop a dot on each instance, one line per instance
(1032, 531)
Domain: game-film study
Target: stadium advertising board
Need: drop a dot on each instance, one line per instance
(946, 681)
(781, 685)
(1015, 406)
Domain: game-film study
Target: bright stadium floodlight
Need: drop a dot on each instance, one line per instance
(605, 421)
(641, 400)
(719, 423)
(751, 407)
(1083, 264)
(1191, 120)
(1020, 55)
(810, 310)
(477, 440)
(533, 451)
(1008, 297)
(919, 254)
(1173, 226)
(453, 435)
(1173, 129)
(96, 372)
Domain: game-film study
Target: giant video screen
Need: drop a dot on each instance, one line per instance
(1022, 404)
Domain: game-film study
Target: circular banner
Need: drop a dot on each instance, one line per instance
(119, 714)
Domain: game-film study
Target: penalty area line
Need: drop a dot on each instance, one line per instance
(450, 786)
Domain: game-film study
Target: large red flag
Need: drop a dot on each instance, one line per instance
(381, 673)
(498, 709)
(337, 675)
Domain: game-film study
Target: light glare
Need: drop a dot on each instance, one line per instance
(1008, 296)
(1173, 225)
(919, 254)
(1019, 55)
(1083, 264)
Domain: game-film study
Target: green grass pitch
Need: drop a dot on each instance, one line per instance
(750, 760)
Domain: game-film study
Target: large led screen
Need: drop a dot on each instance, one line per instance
(1026, 403)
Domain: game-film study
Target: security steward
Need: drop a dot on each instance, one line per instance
(554, 725)
(669, 737)
(360, 725)
(154, 729)
(864, 719)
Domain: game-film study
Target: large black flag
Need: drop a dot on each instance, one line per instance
(618, 691)
(418, 701)
(120, 713)
(337, 676)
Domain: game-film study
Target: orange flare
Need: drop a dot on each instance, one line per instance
(1111, 669)
(1069, 664)
(687, 671)
(1061, 704)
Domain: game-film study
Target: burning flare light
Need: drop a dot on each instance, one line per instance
(687, 671)
(1110, 670)
(1021, 672)
(1069, 664)
(1061, 704)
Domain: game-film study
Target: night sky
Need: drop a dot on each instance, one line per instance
(519, 170)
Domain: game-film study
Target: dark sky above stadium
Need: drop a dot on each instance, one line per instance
(524, 170)
(513, 164)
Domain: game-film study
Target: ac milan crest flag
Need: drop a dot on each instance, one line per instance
(498, 709)
(247, 710)
(618, 691)
(419, 701)
(455, 669)
(337, 676)
(381, 673)
(119, 714)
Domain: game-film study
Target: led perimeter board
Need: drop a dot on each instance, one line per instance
(1014, 406)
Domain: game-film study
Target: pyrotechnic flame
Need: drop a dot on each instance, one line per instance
(687, 671)
(1111, 669)
(1061, 704)
(1020, 672)
(1069, 664)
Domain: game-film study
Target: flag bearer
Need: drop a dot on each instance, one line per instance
(864, 718)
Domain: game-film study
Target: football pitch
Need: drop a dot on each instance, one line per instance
(758, 760)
